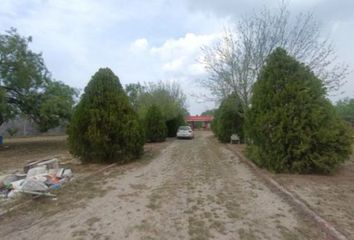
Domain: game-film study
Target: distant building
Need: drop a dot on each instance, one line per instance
(203, 120)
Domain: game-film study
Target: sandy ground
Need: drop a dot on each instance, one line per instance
(332, 196)
(20, 150)
(194, 189)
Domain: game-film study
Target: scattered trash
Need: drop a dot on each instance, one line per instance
(49, 164)
(13, 194)
(37, 171)
(39, 178)
(16, 185)
(7, 180)
(33, 185)
(60, 173)
(68, 173)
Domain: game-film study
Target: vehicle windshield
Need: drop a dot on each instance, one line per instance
(184, 128)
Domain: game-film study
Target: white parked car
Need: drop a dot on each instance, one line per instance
(185, 132)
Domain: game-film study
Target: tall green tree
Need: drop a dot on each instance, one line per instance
(155, 127)
(174, 123)
(229, 119)
(104, 126)
(26, 86)
(291, 124)
(167, 95)
(214, 123)
(55, 107)
(345, 109)
(169, 98)
(134, 91)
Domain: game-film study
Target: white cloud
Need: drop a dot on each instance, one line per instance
(180, 55)
(136, 39)
(144, 40)
(174, 65)
(189, 43)
(139, 45)
(197, 68)
(176, 59)
(77, 37)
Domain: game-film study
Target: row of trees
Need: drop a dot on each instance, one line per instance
(112, 124)
(163, 101)
(228, 119)
(272, 101)
(290, 125)
(345, 109)
(109, 123)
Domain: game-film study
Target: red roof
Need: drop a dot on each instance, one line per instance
(206, 118)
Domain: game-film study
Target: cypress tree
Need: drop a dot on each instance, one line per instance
(291, 124)
(229, 119)
(173, 125)
(104, 127)
(155, 127)
(214, 123)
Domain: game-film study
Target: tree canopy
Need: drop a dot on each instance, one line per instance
(210, 112)
(134, 92)
(167, 96)
(155, 126)
(26, 86)
(229, 119)
(292, 126)
(104, 126)
(345, 109)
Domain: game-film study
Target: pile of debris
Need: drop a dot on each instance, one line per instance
(39, 178)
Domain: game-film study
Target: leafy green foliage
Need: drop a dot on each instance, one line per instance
(173, 125)
(214, 124)
(198, 125)
(56, 105)
(104, 126)
(345, 109)
(134, 91)
(169, 98)
(155, 127)
(291, 124)
(26, 86)
(229, 119)
(210, 112)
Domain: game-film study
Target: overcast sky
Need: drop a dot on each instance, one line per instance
(144, 41)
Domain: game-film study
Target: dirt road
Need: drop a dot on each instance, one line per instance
(195, 189)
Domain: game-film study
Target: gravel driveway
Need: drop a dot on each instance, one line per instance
(194, 189)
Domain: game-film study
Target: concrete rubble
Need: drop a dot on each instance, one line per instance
(39, 178)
